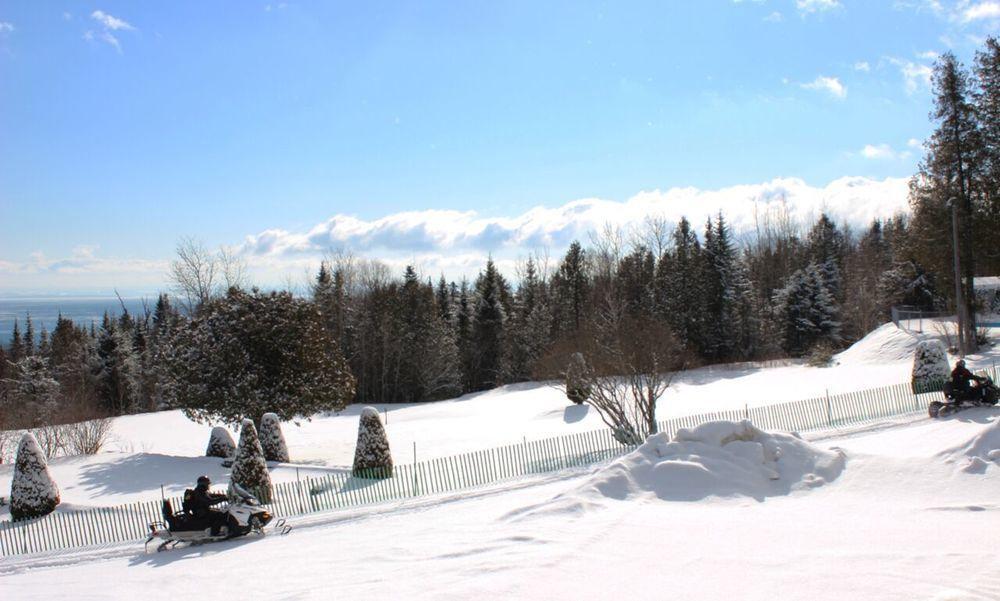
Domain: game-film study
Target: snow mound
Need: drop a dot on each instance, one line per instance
(884, 344)
(979, 452)
(715, 459)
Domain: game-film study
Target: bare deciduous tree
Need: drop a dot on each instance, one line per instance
(194, 273)
(198, 274)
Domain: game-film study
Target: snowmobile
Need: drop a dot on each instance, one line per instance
(244, 515)
(984, 394)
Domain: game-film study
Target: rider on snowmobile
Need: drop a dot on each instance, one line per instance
(201, 505)
(960, 377)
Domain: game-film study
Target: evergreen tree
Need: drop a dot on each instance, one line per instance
(272, 440)
(570, 291)
(33, 493)
(29, 336)
(463, 329)
(44, 347)
(930, 366)
(987, 107)
(118, 375)
(949, 171)
(16, 343)
(220, 444)
(246, 353)
(372, 458)
(529, 325)
(488, 330)
(827, 247)
(807, 312)
(249, 467)
(681, 286)
(718, 281)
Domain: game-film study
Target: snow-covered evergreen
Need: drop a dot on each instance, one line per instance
(577, 389)
(220, 443)
(808, 314)
(272, 441)
(33, 493)
(372, 458)
(250, 468)
(930, 365)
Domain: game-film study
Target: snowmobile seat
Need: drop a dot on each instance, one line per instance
(949, 390)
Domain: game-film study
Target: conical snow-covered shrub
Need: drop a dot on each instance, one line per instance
(271, 438)
(33, 493)
(930, 366)
(249, 467)
(372, 458)
(577, 386)
(220, 443)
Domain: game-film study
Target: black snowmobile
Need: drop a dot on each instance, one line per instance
(244, 515)
(984, 394)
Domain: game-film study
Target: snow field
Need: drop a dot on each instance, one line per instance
(889, 526)
(150, 450)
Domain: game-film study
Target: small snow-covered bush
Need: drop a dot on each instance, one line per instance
(272, 440)
(249, 467)
(372, 458)
(33, 493)
(930, 366)
(577, 387)
(220, 443)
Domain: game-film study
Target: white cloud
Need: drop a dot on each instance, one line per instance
(815, 6)
(929, 55)
(6, 27)
(67, 16)
(862, 66)
(914, 143)
(445, 232)
(831, 85)
(881, 152)
(916, 76)
(982, 10)
(457, 243)
(110, 22)
(774, 17)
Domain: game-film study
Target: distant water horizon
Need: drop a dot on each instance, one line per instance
(45, 311)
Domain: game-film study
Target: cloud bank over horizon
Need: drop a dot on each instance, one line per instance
(457, 243)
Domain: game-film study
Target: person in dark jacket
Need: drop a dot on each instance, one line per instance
(201, 505)
(960, 377)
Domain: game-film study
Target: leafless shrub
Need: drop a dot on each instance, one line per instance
(51, 439)
(940, 327)
(629, 363)
(87, 437)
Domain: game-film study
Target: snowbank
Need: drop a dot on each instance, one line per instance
(715, 459)
(885, 344)
(981, 451)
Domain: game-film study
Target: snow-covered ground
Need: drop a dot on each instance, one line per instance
(901, 513)
(909, 510)
(150, 450)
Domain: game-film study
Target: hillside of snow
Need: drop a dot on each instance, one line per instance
(154, 449)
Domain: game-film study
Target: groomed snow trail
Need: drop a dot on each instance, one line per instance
(892, 525)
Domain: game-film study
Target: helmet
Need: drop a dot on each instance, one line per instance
(961, 363)
(203, 480)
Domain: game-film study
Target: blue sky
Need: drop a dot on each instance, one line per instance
(126, 125)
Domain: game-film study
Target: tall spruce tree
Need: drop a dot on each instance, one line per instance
(987, 106)
(488, 329)
(949, 172)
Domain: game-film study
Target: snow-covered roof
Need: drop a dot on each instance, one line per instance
(986, 282)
